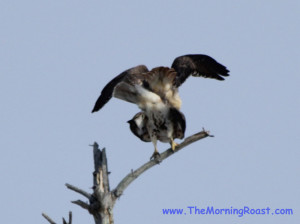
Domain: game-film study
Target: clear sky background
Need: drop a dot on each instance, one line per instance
(55, 58)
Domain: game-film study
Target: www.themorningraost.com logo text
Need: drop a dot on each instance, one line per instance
(240, 212)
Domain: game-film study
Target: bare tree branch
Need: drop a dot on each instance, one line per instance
(70, 219)
(64, 221)
(82, 204)
(78, 190)
(102, 201)
(48, 218)
(135, 174)
(105, 171)
(101, 182)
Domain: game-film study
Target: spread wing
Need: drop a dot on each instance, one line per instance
(109, 89)
(198, 65)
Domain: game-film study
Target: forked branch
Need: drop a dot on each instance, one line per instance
(102, 200)
(52, 222)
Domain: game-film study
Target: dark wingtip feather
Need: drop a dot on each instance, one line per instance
(224, 72)
(198, 65)
(101, 101)
(95, 109)
(220, 78)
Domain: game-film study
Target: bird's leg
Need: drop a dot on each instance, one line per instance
(170, 136)
(173, 144)
(155, 154)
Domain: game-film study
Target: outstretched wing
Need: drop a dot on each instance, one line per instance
(108, 90)
(198, 65)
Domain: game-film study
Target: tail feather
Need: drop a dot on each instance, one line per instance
(178, 120)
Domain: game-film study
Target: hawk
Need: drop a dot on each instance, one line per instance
(155, 92)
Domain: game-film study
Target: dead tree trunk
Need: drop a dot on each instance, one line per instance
(102, 200)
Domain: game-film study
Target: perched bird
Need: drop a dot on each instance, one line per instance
(155, 92)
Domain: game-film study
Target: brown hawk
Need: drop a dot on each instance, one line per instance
(155, 92)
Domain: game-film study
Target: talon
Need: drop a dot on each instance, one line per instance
(173, 145)
(155, 156)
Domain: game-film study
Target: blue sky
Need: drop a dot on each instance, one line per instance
(56, 56)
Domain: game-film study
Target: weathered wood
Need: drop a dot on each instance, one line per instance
(48, 218)
(101, 205)
(70, 219)
(78, 190)
(102, 200)
(135, 174)
(52, 222)
(82, 204)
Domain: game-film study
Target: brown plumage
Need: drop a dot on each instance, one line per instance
(156, 94)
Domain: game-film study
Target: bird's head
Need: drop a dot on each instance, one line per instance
(137, 120)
